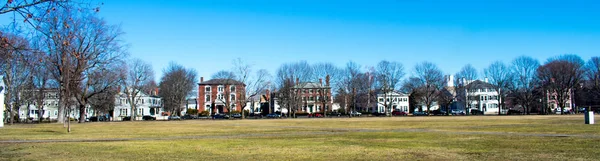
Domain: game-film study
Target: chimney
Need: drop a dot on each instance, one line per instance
(268, 95)
(119, 89)
(201, 79)
(321, 81)
(156, 91)
(327, 80)
(464, 81)
(297, 81)
(450, 81)
(486, 79)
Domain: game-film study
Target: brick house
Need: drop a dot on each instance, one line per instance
(220, 95)
(316, 97)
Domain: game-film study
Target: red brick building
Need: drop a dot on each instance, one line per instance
(220, 95)
(316, 97)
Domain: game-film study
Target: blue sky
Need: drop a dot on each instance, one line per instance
(207, 35)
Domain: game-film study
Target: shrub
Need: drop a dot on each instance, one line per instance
(192, 111)
(204, 113)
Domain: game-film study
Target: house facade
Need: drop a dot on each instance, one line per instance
(481, 95)
(553, 101)
(220, 95)
(396, 101)
(147, 104)
(316, 97)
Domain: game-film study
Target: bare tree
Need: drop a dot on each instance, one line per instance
(14, 66)
(499, 76)
(256, 83)
(175, 85)
(524, 81)
(467, 72)
(413, 86)
(289, 76)
(431, 78)
(560, 76)
(137, 79)
(347, 86)
(466, 75)
(591, 95)
(78, 43)
(27, 8)
(388, 76)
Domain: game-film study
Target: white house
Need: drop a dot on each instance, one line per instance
(147, 105)
(396, 101)
(482, 96)
(49, 108)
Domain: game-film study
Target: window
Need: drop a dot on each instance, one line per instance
(310, 91)
(232, 88)
(207, 88)
(303, 91)
(207, 98)
(220, 88)
(220, 96)
(311, 98)
(143, 101)
(55, 112)
(207, 108)
(380, 99)
(232, 97)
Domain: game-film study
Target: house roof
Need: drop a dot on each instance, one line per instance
(222, 82)
(478, 84)
(310, 85)
(378, 91)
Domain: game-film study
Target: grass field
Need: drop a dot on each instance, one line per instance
(397, 138)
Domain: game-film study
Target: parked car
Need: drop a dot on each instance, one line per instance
(476, 112)
(203, 117)
(420, 113)
(438, 112)
(236, 116)
(273, 115)
(315, 115)
(148, 117)
(189, 117)
(514, 112)
(457, 112)
(221, 116)
(399, 113)
(97, 118)
(355, 113)
(127, 118)
(174, 118)
(379, 114)
(335, 113)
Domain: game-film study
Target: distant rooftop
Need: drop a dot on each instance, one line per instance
(221, 82)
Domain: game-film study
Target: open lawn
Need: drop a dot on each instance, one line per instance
(396, 138)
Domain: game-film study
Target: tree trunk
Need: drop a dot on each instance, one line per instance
(82, 113)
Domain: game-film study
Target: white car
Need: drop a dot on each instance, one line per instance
(355, 113)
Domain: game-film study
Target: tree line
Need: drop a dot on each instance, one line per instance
(66, 47)
(524, 81)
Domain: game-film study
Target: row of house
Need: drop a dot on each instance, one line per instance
(317, 97)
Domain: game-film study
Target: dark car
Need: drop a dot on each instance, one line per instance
(273, 115)
(189, 117)
(127, 118)
(399, 113)
(236, 116)
(337, 114)
(420, 113)
(148, 118)
(221, 116)
(438, 112)
(514, 112)
(378, 114)
(476, 112)
(97, 118)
